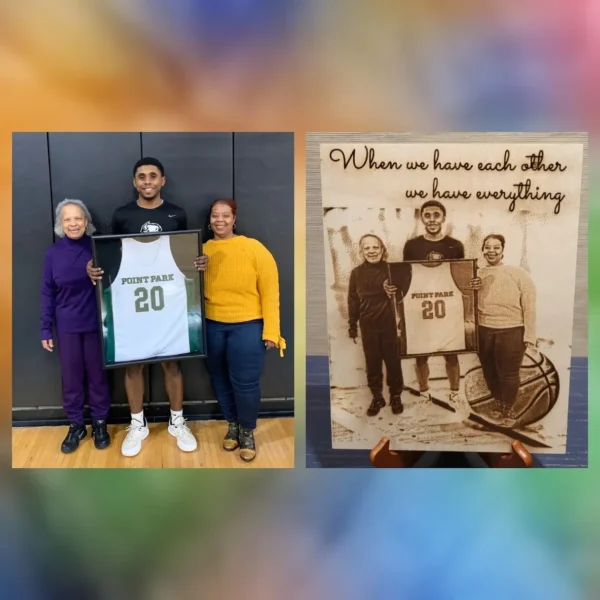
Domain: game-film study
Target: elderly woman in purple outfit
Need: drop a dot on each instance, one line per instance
(68, 306)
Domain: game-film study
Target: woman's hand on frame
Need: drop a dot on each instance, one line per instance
(201, 263)
(475, 283)
(95, 274)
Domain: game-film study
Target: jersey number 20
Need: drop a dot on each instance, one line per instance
(433, 310)
(156, 296)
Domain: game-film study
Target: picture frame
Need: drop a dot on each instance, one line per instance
(157, 272)
(430, 307)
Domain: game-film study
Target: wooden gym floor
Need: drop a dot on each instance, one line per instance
(39, 447)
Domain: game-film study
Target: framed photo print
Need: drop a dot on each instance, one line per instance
(151, 297)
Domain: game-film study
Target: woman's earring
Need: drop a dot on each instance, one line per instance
(209, 227)
(234, 226)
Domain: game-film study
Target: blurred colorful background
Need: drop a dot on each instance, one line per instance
(313, 65)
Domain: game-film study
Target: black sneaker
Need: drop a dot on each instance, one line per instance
(376, 405)
(100, 435)
(396, 403)
(75, 434)
(247, 445)
(231, 440)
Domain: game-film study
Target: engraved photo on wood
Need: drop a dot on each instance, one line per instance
(450, 279)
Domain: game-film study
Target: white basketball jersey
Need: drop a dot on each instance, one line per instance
(149, 303)
(434, 318)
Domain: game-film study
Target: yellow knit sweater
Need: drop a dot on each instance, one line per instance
(241, 283)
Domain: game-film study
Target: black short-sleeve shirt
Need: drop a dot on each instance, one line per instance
(420, 248)
(132, 218)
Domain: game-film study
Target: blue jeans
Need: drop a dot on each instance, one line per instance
(235, 360)
(501, 353)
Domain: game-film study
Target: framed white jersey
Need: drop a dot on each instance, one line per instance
(150, 298)
(434, 306)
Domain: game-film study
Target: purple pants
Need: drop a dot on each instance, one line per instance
(81, 363)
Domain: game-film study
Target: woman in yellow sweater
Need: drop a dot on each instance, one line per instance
(507, 315)
(241, 289)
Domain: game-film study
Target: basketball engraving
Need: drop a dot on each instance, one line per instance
(538, 390)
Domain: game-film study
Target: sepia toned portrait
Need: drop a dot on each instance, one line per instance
(450, 280)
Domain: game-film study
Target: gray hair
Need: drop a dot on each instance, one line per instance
(58, 229)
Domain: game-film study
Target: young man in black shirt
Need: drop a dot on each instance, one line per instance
(434, 245)
(370, 307)
(135, 218)
(148, 214)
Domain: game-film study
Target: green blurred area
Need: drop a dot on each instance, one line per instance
(130, 520)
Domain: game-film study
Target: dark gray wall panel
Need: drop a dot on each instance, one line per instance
(264, 189)
(97, 169)
(198, 168)
(36, 379)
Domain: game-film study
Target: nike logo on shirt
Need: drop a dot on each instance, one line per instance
(172, 216)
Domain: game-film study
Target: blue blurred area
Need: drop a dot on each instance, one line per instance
(465, 542)
(488, 79)
(32, 565)
(376, 535)
(19, 572)
(415, 534)
(228, 26)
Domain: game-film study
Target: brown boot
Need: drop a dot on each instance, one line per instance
(504, 416)
(231, 440)
(247, 444)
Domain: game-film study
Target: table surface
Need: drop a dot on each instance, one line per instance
(319, 453)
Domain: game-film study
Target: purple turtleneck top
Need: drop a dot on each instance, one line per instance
(67, 297)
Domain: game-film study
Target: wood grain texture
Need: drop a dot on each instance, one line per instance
(316, 305)
(39, 448)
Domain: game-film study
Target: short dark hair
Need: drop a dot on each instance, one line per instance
(493, 236)
(433, 203)
(228, 201)
(149, 161)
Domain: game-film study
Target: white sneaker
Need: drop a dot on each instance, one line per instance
(132, 444)
(459, 404)
(454, 399)
(424, 397)
(185, 438)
